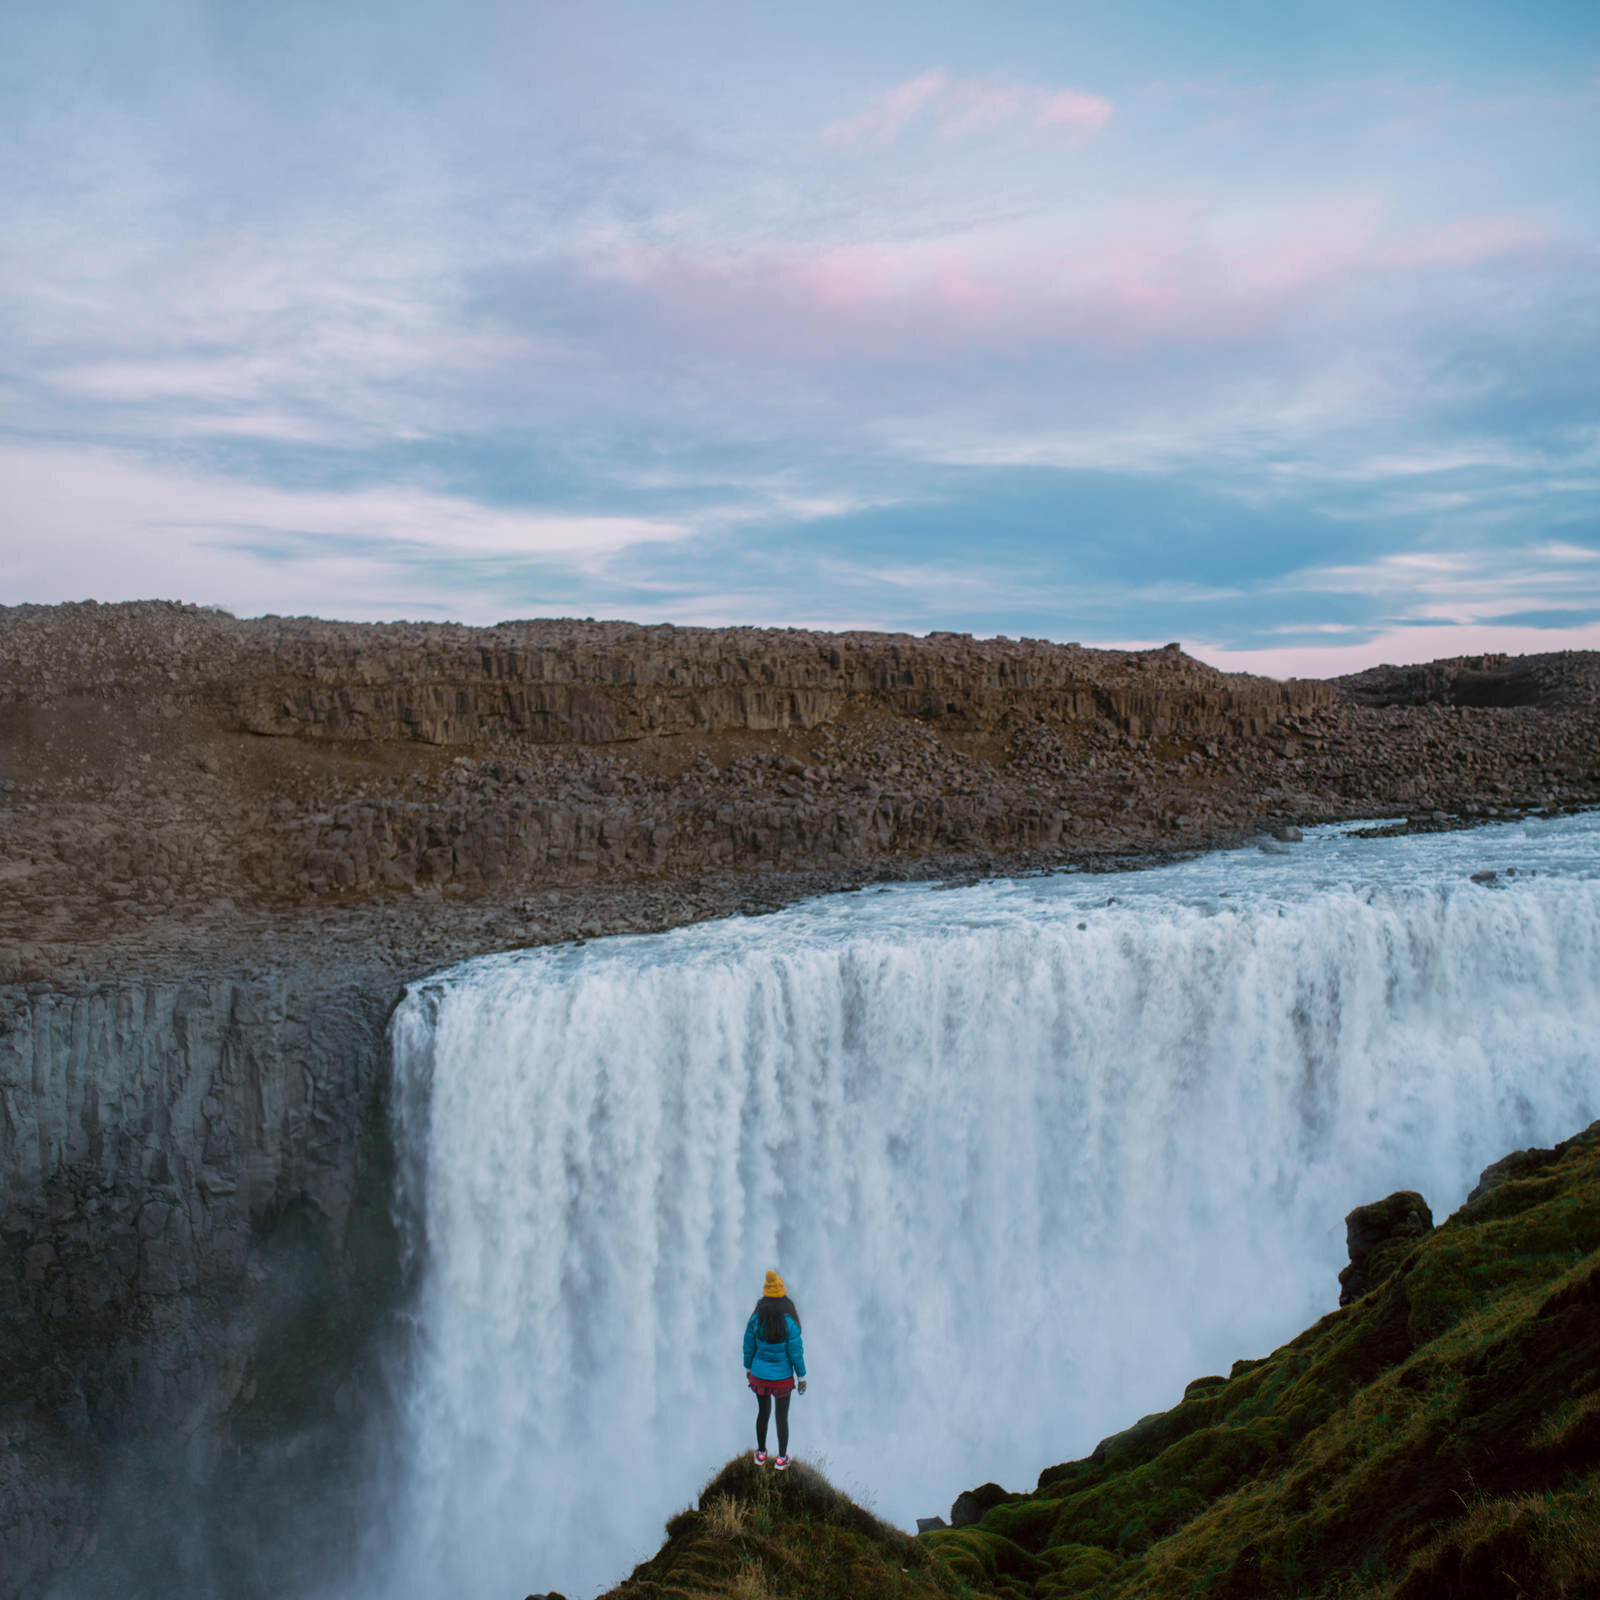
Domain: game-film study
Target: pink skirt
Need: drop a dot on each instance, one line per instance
(771, 1385)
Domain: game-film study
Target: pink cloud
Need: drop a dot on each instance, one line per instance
(1067, 108)
(885, 119)
(916, 301)
(963, 105)
(974, 103)
(1159, 271)
(1294, 246)
(1466, 241)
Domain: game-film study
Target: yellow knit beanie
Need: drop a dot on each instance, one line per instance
(774, 1289)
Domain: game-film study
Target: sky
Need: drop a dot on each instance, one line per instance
(1269, 328)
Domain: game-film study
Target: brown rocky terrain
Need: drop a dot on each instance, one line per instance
(177, 783)
(225, 845)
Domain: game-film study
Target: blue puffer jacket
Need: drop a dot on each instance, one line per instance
(773, 1361)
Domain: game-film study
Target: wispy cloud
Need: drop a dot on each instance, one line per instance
(1463, 586)
(96, 521)
(87, 521)
(887, 117)
(1132, 277)
(1464, 241)
(1069, 108)
(949, 105)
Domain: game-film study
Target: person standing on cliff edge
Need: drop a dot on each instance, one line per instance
(774, 1357)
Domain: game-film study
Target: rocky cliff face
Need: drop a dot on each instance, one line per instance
(194, 1184)
(589, 683)
(224, 845)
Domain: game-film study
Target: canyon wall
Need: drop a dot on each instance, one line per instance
(195, 1193)
(590, 683)
(225, 845)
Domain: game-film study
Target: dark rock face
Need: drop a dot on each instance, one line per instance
(1378, 1237)
(195, 1192)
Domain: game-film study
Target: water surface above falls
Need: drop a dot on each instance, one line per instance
(1031, 1154)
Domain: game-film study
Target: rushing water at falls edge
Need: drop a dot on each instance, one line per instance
(1031, 1154)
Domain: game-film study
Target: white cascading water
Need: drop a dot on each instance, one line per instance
(1031, 1155)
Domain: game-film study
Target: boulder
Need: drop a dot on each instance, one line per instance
(971, 1504)
(1378, 1237)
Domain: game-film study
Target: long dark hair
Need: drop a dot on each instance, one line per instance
(772, 1309)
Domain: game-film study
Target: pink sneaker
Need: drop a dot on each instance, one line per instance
(761, 1458)
(781, 1464)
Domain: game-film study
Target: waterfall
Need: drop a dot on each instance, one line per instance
(1030, 1155)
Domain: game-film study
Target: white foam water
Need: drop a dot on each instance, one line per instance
(1031, 1154)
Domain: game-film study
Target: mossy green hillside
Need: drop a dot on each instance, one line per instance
(1438, 1437)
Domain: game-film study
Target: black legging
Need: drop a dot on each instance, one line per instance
(763, 1411)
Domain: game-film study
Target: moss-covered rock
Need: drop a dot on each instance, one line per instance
(757, 1534)
(971, 1504)
(1379, 1237)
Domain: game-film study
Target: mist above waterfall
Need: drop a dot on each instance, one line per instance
(1030, 1154)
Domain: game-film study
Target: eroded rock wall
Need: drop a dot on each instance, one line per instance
(187, 1171)
(628, 683)
(589, 683)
